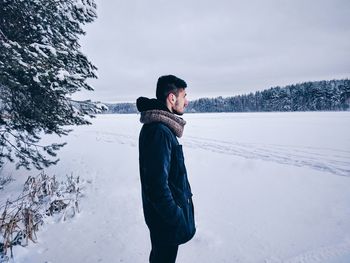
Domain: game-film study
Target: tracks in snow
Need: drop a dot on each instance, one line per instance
(330, 160)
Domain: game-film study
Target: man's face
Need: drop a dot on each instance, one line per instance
(181, 103)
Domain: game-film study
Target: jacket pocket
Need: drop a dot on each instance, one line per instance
(186, 228)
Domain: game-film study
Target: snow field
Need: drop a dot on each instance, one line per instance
(268, 187)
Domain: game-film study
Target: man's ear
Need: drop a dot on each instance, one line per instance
(172, 97)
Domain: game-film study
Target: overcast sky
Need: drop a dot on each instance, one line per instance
(222, 47)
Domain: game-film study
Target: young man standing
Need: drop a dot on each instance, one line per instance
(166, 192)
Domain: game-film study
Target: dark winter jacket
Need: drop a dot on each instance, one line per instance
(166, 192)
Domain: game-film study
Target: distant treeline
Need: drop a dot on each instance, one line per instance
(332, 95)
(126, 107)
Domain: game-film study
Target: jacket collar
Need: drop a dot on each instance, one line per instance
(152, 110)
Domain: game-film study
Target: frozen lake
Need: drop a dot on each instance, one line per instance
(268, 187)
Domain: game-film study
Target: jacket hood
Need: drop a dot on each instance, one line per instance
(145, 104)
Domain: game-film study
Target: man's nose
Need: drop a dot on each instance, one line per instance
(186, 103)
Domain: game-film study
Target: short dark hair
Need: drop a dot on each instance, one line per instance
(169, 84)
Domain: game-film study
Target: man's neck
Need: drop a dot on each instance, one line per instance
(170, 108)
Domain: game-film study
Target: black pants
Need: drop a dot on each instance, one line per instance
(161, 253)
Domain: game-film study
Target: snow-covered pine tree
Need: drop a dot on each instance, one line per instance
(41, 66)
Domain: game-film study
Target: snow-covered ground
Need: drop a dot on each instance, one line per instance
(268, 187)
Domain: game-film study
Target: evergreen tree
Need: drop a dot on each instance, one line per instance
(41, 66)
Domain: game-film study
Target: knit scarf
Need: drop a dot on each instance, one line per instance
(175, 123)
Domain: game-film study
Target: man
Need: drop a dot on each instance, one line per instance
(166, 193)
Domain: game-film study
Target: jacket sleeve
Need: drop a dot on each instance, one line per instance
(157, 167)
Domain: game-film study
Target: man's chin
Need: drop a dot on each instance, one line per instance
(178, 112)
